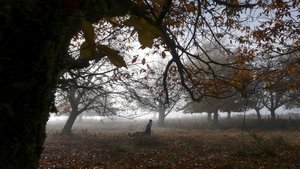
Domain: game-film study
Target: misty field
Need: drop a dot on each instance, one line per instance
(186, 145)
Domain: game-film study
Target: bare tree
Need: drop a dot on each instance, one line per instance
(85, 91)
(149, 93)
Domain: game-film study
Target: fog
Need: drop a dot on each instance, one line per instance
(103, 141)
(93, 123)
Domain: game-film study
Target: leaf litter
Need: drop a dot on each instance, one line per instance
(172, 149)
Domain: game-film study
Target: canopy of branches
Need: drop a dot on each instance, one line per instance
(249, 35)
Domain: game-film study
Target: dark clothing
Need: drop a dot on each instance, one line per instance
(148, 128)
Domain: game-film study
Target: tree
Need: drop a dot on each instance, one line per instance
(34, 41)
(276, 86)
(234, 104)
(215, 105)
(274, 97)
(293, 81)
(86, 90)
(31, 69)
(148, 92)
(274, 101)
(203, 106)
(224, 92)
(84, 100)
(257, 103)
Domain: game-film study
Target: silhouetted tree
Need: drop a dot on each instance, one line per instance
(148, 92)
(87, 90)
(34, 39)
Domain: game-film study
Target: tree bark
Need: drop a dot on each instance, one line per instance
(216, 117)
(30, 62)
(74, 101)
(161, 118)
(229, 115)
(273, 115)
(258, 115)
(67, 130)
(34, 38)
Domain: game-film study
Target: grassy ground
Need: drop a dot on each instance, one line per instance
(181, 148)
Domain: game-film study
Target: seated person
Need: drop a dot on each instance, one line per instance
(147, 131)
(148, 128)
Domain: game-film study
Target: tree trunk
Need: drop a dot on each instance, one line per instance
(67, 130)
(258, 115)
(34, 38)
(273, 115)
(30, 62)
(161, 118)
(28, 79)
(209, 117)
(229, 115)
(216, 117)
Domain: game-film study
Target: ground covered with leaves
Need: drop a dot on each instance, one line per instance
(174, 148)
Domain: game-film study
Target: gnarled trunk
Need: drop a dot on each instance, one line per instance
(33, 42)
(67, 130)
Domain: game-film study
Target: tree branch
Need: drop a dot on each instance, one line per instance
(231, 5)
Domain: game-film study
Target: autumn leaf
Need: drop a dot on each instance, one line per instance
(143, 61)
(292, 69)
(134, 59)
(113, 56)
(241, 80)
(141, 23)
(147, 32)
(163, 55)
(245, 75)
(146, 39)
(85, 51)
(88, 31)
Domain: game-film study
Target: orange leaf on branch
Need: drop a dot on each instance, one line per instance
(241, 80)
(112, 55)
(147, 31)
